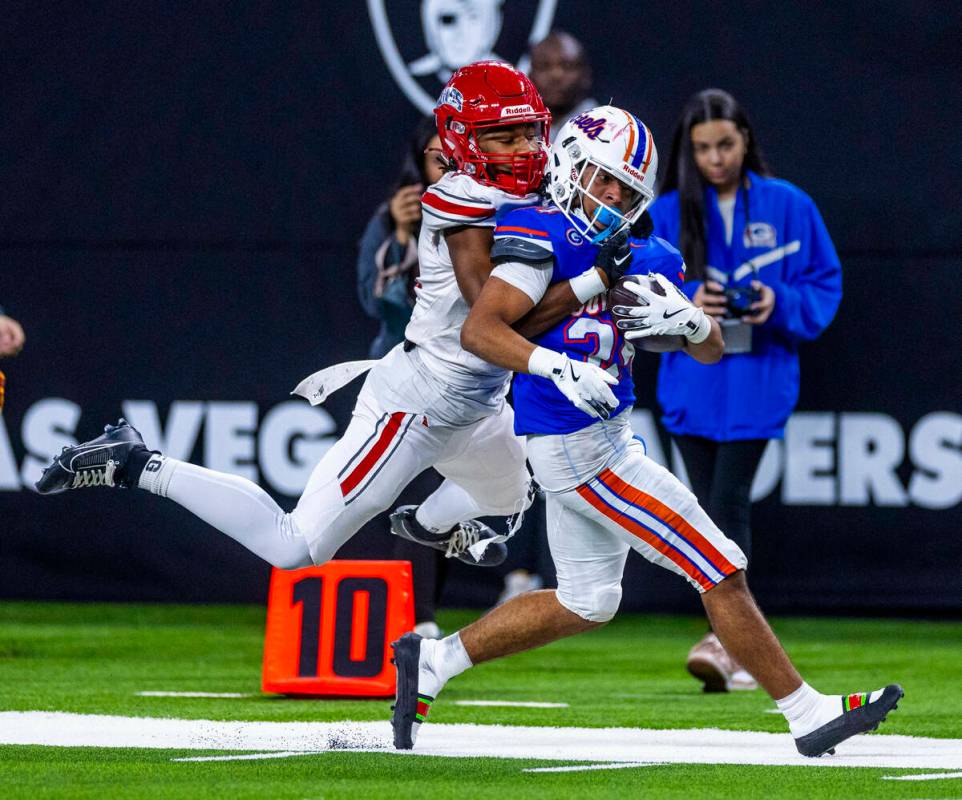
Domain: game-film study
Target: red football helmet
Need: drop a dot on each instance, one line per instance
(490, 94)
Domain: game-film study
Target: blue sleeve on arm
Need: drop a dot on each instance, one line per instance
(373, 237)
(655, 254)
(806, 303)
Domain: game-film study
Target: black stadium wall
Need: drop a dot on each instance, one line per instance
(183, 189)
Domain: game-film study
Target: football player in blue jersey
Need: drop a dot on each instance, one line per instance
(572, 394)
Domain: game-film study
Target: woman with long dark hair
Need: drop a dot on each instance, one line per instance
(387, 262)
(760, 260)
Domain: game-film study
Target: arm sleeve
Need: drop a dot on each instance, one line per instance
(372, 238)
(671, 265)
(532, 279)
(669, 262)
(806, 302)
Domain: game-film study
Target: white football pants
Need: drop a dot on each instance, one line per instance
(382, 450)
(604, 497)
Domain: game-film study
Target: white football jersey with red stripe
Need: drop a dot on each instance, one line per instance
(454, 201)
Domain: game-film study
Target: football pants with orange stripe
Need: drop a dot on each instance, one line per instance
(633, 504)
(606, 497)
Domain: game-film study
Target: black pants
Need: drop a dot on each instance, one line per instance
(721, 476)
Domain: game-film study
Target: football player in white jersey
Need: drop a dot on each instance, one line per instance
(427, 403)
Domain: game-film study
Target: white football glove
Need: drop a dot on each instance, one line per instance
(583, 384)
(671, 315)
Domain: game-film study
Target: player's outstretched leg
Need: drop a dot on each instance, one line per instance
(231, 504)
(102, 461)
(818, 722)
(471, 541)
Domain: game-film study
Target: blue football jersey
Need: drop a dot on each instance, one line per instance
(589, 334)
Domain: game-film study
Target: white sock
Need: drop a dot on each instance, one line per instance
(233, 505)
(157, 473)
(805, 709)
(448, 505)
(441, 660)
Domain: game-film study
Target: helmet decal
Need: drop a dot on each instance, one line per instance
(511, 111)
(452, 97)
(591, 126)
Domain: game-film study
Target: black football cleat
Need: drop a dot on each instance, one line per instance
(860, 713)
(471, 542)
(99, 462)
(410, 708)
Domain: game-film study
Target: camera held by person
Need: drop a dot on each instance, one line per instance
(738, 300)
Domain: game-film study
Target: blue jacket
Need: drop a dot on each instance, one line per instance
(751, 395)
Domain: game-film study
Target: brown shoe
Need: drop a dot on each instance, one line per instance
(710, 663)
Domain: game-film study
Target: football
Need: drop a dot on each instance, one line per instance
(620, 297)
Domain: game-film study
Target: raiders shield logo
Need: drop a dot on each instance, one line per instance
(424, 46)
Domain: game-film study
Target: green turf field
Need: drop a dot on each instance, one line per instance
(93, 659)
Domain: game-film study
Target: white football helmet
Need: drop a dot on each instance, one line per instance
(609, 139)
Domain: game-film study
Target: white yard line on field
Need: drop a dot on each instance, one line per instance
(928, 776)
(192, 694)
(601, 745)
(509, 703)
(253, 756)
(587, 767)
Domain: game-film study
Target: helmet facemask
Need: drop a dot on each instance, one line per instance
(606, 220)
(515, 173)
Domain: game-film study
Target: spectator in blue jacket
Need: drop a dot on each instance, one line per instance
(762, 239)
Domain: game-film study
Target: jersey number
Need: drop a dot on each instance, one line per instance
(602, 336)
